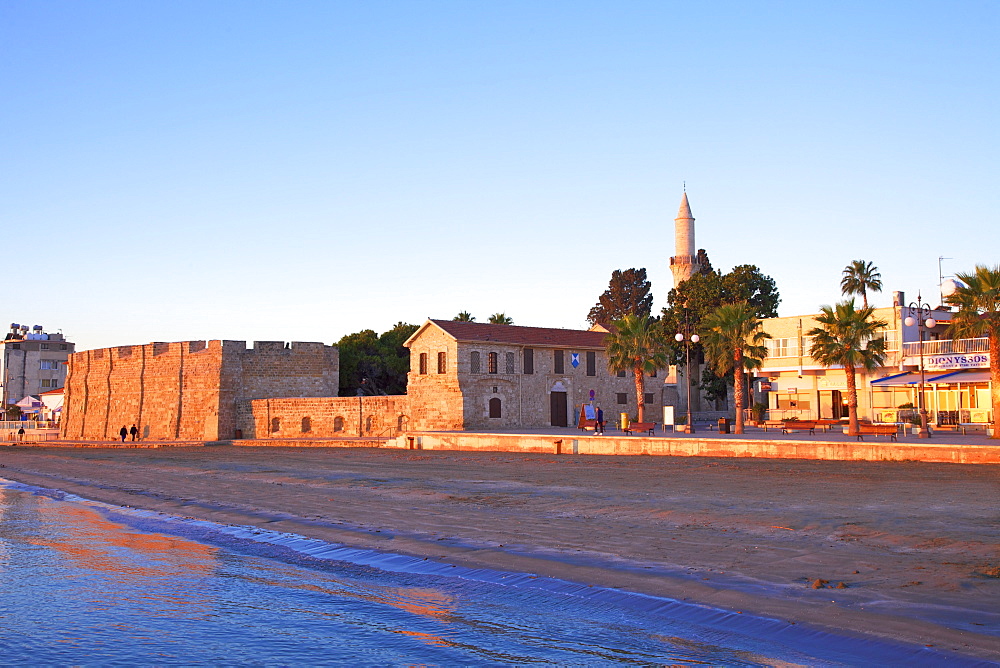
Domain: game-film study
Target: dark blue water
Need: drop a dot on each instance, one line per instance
(88, 584)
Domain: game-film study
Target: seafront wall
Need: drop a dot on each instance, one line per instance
(701, 447)
(323, 417)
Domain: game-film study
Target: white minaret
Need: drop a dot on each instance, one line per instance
(684, 263)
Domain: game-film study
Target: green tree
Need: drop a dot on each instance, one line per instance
(501, 319)
(848, 336)
(628, 293)
(375, 364)
(464, 316)
(858, 278)
(701, 295)
(734, 342)
(635, 344)
(978, 302)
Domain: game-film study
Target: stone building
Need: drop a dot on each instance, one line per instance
(468, 375)
(189, 390)
(32, 361)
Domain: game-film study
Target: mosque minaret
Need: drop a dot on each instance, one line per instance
(684, 263)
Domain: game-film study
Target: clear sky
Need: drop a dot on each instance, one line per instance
(303, 170)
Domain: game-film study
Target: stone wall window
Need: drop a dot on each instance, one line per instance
(474, 362)
(401, 423)
(529, 361)
(275, 425)
(423, 364)
(495, 407)
(307, 425)
(338, 423)
(369, 423)
(511, 363)
(647, 398)
(620, 374)
(591, 363)
(493, 362)
(442, 362)
(622, 398)
(558, 361)
(652, 374)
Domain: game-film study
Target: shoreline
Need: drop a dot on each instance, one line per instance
(733, 534)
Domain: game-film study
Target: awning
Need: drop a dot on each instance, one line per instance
(970, 376)
(906, 378)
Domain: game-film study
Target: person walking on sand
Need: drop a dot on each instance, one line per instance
(124, 432)
(20, 434)
(600, 421)
(134, 431)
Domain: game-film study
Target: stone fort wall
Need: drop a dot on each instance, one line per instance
(189, 389)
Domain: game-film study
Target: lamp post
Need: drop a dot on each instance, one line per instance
(921, 316)
(688, 339)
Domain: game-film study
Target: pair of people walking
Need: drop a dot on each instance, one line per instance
(125, 431)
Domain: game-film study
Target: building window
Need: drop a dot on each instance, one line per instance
(442, 362)
(529, 361)
(647, 398)
(621, 374)
(474, 362)
(369, 423)
(622, 398)
(492, 362)
(307, 425)
(423, 364)
(43, 346)
(62, 346)
(782, 347)
(558, 361)
(338, 423)
(591, 363)
(652, 374)
(511, 363)
(494, 407)
(275, 425)
(47, 384)
(50, 364)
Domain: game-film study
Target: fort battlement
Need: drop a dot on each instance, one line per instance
(188, 389)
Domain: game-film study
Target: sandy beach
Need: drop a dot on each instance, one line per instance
(903, 550)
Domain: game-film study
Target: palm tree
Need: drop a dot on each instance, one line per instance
(858, 278)
(848, 338)
(733, 340)
(501, 319)
(464, 316)
(978, 303)
(635, 344)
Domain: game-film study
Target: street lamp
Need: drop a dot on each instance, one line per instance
(688, 339)
(924, 318)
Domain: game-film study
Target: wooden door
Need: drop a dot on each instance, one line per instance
(557, 402)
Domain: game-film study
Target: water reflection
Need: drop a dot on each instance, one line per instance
(82, 587)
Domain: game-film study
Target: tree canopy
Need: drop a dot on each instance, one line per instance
(858, 278)
(501, 319)
(628, 293)
(375, 364)
(464, 316)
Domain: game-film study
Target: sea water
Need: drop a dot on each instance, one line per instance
(85, 583)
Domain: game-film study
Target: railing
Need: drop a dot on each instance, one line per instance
(947, 347)
(28, 424)
(32, 436)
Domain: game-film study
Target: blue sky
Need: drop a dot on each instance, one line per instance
(300, 171)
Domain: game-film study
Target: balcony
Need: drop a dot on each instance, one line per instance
(946, 347)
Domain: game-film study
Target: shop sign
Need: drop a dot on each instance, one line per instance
(960, 361)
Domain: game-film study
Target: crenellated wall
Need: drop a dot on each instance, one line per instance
(188, 389)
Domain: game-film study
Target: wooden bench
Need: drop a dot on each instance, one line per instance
(648, 427)
(772, 424)
(588, 424)
(877, 430)
(804, 425)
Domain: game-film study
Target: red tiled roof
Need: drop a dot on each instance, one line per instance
(528, 336)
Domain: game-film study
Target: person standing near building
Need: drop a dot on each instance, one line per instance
(124, 432)
(600, 421)
(134, 431)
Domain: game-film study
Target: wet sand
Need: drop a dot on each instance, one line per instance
(916, 545)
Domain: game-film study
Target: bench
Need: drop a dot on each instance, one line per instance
(588, 424)
(876, 430)
(772, 424)
(803, 425)
(648, 427)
